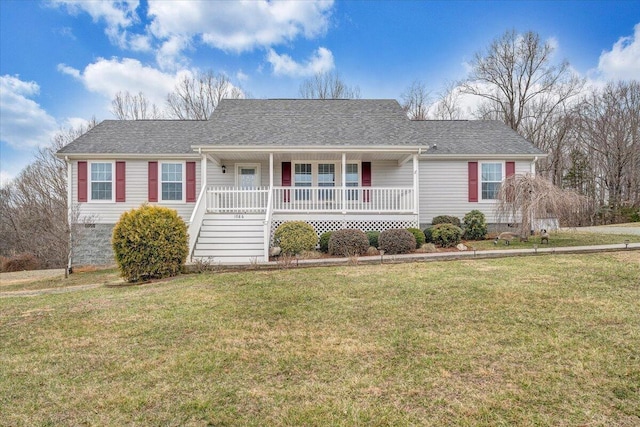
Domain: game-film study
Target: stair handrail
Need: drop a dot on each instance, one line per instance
(267, 224)
(197, 217)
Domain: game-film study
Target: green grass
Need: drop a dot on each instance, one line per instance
(559, 239)
(103, 276)
(546, 340)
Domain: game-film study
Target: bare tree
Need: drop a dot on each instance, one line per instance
(195, 97)
(328, 86)
(126, 106)
(609, 130)
(35, 217)
(524, 198)
(522, 87)
(416, 101)
(447, 105)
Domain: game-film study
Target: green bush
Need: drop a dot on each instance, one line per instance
(419, 235)
(428, 237)
(150, 242)
(295, 237)
(446, 235)
(475, 225)
(373, 238)
(324, 241)
(396, 241)
(348, 242)
(446, 219)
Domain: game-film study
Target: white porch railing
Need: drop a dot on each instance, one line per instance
(232, 199)
(311, 199)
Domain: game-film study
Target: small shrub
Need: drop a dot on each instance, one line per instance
(373, 238)
(295, 237)
(324, 241)
(372, 251)
(428, 237)
(419, 235)
(447, 235)
(348, 242)
(150, 242)
(446, 219)
(475, 225)
(20, 262)
(396, 241)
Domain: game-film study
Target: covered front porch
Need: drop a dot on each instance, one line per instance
(352, 189)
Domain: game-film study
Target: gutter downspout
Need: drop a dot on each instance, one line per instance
(69, 214)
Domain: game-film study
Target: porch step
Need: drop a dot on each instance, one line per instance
(231, 239)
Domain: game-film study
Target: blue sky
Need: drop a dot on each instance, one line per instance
(61, 61)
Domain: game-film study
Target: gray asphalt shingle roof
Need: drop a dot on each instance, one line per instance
(140, 137)
(301, 122)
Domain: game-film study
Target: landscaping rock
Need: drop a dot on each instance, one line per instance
(274, 251)
(461, 247)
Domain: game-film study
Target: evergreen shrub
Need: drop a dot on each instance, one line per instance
(324, 241)
(446, 219)
(373, 238)
(475, 225)
(150, 242)
(348, 242)
(419, 235)
(295, 237)
(446, 235)
(396, 241)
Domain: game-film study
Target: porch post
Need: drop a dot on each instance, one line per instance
(203, 171)
(344, 183)
(416, 185)
(270, 171)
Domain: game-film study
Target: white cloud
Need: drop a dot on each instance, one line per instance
(321, 61)
(622, 62)
(25, 124)
(5, 178)
(117, 15)
(241, 76)
(240, 25)
(110, 76)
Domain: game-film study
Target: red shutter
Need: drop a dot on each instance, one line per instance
(82, 181)
(366, 180)
(191, 181)
(286, 180)
(473, 181)
(510, 168)
(120, 181)
(153, 181)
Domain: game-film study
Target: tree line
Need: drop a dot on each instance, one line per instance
(591, 134)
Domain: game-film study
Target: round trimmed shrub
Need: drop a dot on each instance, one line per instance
(446, 219)
(475, 225)
(373, 238)
(348, 242)
(419, 235)
(150, 242)
(446, 235)
(428, 237)
(324, 241)
(396, 241)
(295, 237)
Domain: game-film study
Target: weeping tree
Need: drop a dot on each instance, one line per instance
(524, 198)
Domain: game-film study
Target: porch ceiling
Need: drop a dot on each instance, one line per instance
(302, 155)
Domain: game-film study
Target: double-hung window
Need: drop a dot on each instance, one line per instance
(303, 178)
(491, 175)
(172, 179)
(326, 178)
(352, 180)
(102, 181)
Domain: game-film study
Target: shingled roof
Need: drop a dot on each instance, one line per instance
(140, 137)
(303, 123)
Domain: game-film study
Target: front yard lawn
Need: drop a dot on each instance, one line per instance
(548, 340)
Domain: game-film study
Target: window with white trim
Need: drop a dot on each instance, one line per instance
(491, 175)
(101, 181)
(326, 178)
(303, 177)
(352, 180)
(171, 181)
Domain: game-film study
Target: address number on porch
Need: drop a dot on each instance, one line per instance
(238, 216)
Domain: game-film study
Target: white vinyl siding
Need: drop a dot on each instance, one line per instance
(136, 194)
(444, 189)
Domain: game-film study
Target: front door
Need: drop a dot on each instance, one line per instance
(248, 176)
